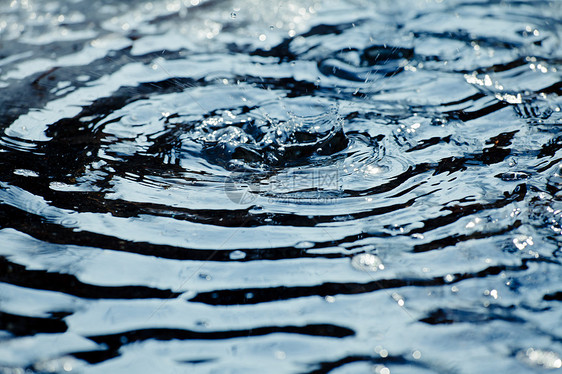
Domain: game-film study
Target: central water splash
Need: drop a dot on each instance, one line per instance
(264, 141)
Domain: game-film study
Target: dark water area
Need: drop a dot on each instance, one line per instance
(280, 187)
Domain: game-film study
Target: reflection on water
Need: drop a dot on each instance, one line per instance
(297, 186)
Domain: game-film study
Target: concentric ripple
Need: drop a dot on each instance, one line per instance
(291, 187)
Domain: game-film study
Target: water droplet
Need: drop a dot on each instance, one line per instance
(233, 15)
(367, 262)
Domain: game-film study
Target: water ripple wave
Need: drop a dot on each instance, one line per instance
(297, 186)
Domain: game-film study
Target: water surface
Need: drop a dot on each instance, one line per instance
(291, 187)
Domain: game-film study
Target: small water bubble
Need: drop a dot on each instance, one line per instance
(272, 27)
(233, 15)
(280, 355)
(367, 262)
(69, 222)
(522, 241)
(514, 176)
(57, 365)
(539, 357)
(396, 228)
(330, 299)
(398, 298)
(449, 278)
(381, 369)
(256, 209)
(237, 255)
(473, 223)
(304, 245)
(202, 323)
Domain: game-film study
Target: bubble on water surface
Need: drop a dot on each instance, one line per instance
(538, 357)
(237, 255)
(367, 262)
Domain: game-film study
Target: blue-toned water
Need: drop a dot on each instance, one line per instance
(280, 187)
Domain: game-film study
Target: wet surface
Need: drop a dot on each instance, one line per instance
(297, 187)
